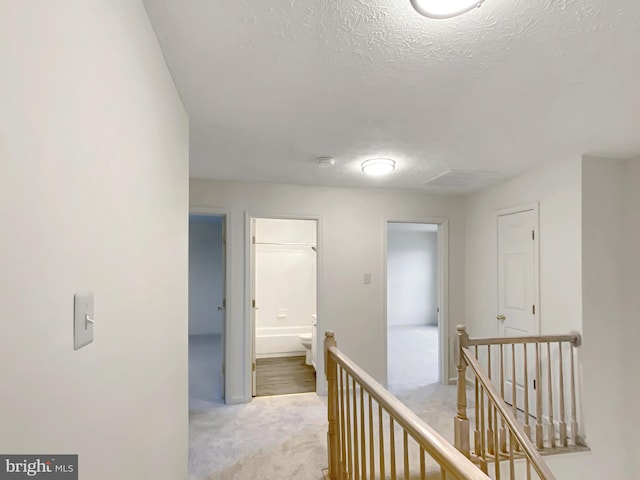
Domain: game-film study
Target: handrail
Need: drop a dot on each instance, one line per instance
(530, 451)
(437, 446)
(574, 338)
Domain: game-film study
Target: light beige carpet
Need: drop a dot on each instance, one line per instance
(275, 438)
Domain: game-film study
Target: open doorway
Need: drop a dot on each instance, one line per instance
(414, 293)
(284, 305)
(207, 253)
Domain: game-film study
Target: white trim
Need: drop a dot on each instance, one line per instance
(535, 207)
(320, 381)
(228, 310)
(443, 293)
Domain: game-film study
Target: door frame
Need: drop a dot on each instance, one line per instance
(444, 353)
(249, 327)
(227, 312)
(536, 255)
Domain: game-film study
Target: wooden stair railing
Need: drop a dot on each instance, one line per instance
(501, 404)
(371, 434)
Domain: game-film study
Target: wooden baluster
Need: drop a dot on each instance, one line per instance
(503, 431)
(363, 440)
(405, 443)
(356, 445)
(539, 437)
(348, 416)
(495, 438)
(381, 438)
(514, 393)
(490, 436)
(392, 448)
(512, 473)
(476, 433)
(552, 425)
(528, 469)
(372, 459)
(514, 397)
(527, 427)
(332, 404)
(343, 425)
(483, 446)
(423, 465)
(461, 422)
(574, 421)
(563, 423)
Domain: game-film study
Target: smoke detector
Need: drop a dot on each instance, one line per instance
(326, 162)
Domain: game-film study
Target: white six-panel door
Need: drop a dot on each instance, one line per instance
(518, 304)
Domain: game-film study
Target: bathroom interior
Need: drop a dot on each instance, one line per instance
(285, 279)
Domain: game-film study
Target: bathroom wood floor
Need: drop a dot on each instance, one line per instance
(282, 376)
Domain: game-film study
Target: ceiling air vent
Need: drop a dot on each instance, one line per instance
(462, 178)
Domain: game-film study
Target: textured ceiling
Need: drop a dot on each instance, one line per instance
(270, 85)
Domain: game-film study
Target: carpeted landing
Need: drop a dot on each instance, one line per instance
(284, 437)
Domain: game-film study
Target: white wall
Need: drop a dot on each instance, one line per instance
(630, 230)
(412, 277)
(206, 278)
(603, 265)
(557, 189)
(93, 195)
(350, 244)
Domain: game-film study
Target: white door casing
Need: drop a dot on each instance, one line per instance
(518, 294)
(222, 306)
(253, 307)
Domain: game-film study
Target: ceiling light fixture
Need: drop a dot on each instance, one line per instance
(444, 8)
(378, 166)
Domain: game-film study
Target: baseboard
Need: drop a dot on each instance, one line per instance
(234, 400)
(470, 383)
(281, 354)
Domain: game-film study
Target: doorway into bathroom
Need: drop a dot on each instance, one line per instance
(207, 259)
(284, 266)
(414, 300)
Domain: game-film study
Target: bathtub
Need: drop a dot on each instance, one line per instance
(280, 341)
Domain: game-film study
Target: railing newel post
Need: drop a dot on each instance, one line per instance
(331, 372)
(461, 421)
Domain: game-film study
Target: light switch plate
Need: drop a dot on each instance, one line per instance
(82, 319)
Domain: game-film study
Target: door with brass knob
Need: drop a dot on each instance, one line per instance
(518, 293)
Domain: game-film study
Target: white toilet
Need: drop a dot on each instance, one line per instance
(308, 341)
(305, 340)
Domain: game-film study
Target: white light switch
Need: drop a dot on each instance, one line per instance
(367, 279)
(82, 319)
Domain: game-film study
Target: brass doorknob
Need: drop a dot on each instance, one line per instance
(501, 317)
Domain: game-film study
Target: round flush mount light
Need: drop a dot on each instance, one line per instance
(378, 166)
(444, 8)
